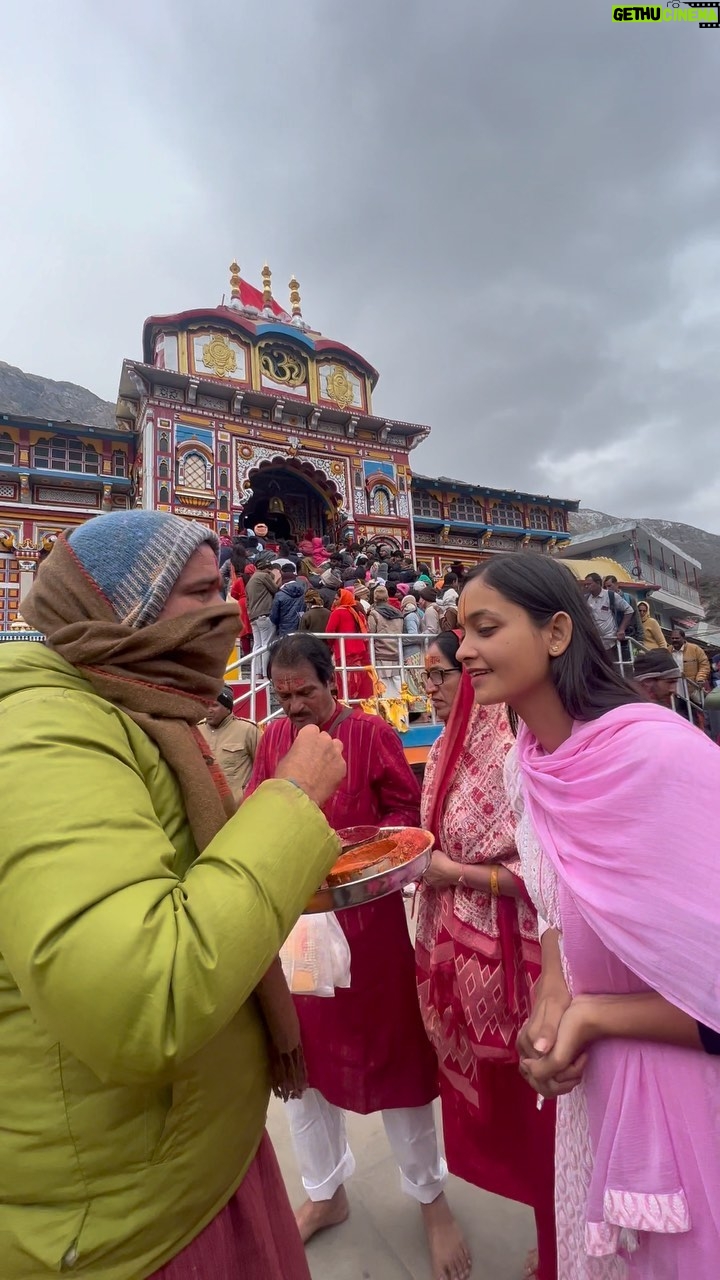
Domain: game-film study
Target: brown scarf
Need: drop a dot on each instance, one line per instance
(164, 676)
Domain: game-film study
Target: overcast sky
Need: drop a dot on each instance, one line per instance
(512, 210)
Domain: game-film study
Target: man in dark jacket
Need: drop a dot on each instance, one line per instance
(288, 605)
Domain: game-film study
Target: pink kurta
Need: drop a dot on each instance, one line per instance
(638, 1142)
(366, 1048)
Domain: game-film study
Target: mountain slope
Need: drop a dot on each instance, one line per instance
(35, 397)
(703, 546)
(700, 544)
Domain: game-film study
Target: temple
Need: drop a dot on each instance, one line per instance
(240, 414)
(456, 520)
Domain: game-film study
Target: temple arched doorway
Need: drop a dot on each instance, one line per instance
(293, 499)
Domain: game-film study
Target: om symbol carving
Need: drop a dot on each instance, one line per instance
(283, 366)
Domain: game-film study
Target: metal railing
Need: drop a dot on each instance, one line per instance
(668, 582)
(393, 679)
(690, 696)
(689, 699)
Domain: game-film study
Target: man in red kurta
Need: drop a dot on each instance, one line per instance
(366, 1048)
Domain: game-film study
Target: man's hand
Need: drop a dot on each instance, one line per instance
(314, 763)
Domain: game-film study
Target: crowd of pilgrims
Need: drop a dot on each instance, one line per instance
(559, 994)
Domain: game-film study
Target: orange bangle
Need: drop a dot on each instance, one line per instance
(495, 882)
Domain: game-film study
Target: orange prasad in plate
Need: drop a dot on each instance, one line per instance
(368, 860)
(381, 855)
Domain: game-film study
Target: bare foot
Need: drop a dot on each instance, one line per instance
(449, 1254)
(317, 1215)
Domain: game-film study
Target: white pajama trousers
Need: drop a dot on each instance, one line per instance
(325, 1160)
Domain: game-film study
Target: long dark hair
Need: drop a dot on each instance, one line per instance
(238, 559)
(586, 680)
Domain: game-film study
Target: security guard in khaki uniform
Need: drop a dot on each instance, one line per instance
(232, 741)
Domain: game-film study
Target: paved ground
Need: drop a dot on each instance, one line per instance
(383, 1239)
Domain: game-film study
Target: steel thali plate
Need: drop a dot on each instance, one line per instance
(358, 892)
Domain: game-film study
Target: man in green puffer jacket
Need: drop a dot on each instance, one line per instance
(134, 1069)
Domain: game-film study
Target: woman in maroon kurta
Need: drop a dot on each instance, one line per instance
(366, 1048)
(478, 957)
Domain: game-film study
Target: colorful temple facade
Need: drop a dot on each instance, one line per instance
(457, 521)
(53, 475)
(241, 414)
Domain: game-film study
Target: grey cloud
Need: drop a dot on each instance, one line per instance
(511, 210)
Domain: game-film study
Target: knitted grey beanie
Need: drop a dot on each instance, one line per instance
(136, 557)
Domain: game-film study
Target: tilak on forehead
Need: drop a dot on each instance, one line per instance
(290, 684)
(434, 660)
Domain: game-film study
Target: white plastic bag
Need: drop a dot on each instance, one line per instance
(316, 956)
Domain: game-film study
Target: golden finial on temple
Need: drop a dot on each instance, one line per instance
(294, 288)
(267, 285)
(234, 280)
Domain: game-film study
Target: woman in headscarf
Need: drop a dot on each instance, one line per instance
(653, 637)
(413, 650)
(349, 618)
(478, 955)
(316, 616)
(431, 615)
(319, 553)
(237, 583)
(627, 1010)
(138, 914)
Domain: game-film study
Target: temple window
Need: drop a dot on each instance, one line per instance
(558, 521)
(381, 503)
(119, 463)
(163, 471)
(466, 509)
(164, 494)
(539, 518)
(66, 454)
(504, 513)
(425, 505)
(7, 450)
(223, 503)
(194, 471)
(163, 442)
(224, 456)
(223, 480)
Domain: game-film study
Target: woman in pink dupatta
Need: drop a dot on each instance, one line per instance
(620, 849)
(478, 957)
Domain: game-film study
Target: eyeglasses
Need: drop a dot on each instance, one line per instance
(436, 675)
